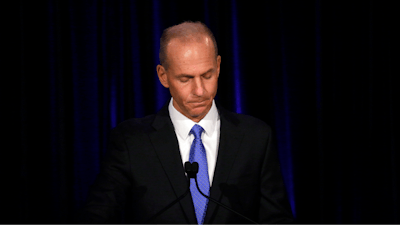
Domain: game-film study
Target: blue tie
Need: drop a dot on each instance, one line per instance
(198, 154)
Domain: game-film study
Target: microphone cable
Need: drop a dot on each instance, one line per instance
(218, 203)
(191, 171)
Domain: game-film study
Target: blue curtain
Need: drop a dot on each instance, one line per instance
(321, 73)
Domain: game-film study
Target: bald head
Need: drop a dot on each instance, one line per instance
(189, 52)
(185, 32)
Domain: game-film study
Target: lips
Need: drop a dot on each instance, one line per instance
(198, 103)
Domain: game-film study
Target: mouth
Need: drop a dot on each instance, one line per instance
(198, 102)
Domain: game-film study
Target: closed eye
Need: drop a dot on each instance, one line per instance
(185, 78)
(207, 76)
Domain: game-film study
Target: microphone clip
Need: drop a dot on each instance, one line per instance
(191, 169)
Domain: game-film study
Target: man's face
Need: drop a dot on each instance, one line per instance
(192, 76)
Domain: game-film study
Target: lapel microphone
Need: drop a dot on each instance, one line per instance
(191, 170)
(194, 168)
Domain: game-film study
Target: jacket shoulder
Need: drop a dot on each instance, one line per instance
(135, 125)
(252, 121)
(248, 123)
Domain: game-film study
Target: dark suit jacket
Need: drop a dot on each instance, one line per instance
(143, 172)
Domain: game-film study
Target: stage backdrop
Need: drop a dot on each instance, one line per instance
(321, 73)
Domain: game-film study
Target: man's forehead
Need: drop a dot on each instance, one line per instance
(193, 64)
(179, 49)
(190, 40)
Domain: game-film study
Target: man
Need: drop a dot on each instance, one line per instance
(143, 171)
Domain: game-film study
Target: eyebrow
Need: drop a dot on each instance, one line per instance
(191, 76)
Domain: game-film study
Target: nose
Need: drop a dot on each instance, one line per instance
(198, 87)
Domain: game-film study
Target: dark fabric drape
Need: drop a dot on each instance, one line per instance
(321, 73)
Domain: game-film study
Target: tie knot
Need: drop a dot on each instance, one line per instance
(196, 131)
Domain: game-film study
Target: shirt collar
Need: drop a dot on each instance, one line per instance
(183, 125)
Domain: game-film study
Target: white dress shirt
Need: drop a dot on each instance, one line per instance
(210, 137)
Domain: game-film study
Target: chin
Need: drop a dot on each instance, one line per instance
(198, 112)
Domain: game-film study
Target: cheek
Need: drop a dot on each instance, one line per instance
(179, 91)
(212, 87)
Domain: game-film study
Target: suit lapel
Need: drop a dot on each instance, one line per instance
(230, 140)
(166, 146)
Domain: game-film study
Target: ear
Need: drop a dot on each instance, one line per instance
(162, 76)
(218, 64)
